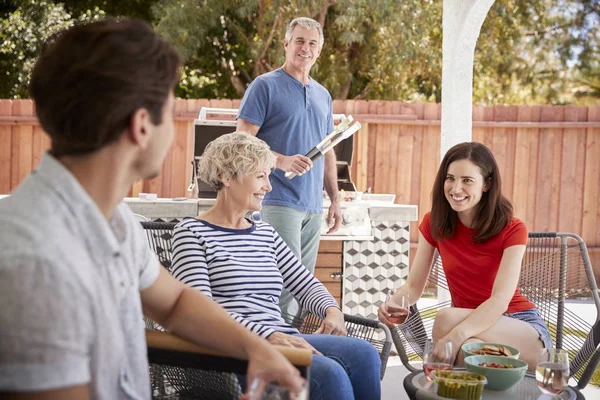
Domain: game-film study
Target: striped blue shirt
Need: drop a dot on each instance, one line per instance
(245, 271)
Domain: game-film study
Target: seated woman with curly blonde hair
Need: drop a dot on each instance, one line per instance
(244, 265)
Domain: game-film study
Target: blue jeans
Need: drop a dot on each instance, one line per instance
(301, 231)
(348, 369)
(533, 318)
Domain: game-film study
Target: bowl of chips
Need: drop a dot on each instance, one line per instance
(489, 349)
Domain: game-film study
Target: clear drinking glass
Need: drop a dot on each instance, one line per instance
(437, 356)
(260, 389)
(552, 372)
(397, 306)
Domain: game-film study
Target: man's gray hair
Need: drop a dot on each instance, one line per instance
(307, 23)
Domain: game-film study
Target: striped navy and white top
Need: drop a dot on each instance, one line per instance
(245, 270)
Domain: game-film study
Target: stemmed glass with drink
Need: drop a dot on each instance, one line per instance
(552, 372)
(436, 356)
(397, 306)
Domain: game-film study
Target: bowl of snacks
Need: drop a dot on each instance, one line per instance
(462, 385)
(489, 349)
(501, 372)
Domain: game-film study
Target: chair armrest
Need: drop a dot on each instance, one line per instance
(589, 371)
(355, 319)
(166, 341)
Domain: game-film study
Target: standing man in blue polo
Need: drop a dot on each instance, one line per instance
(292, 113)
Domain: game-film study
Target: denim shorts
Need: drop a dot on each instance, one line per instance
(533, 318)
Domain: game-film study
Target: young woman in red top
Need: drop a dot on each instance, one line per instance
(481, 244)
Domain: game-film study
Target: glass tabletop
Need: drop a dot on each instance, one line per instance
(418, 387)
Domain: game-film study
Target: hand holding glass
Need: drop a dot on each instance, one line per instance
(397, 305)
(552, 372)
(437, 355)
(260, 389)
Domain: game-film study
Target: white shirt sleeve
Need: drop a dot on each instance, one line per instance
(145, 259)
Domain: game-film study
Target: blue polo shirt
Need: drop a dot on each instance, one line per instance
(293, 118)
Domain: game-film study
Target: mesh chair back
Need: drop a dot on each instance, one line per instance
(189, 382)
(556, 269)
(169, 379)
(410, 337)
(159, 236)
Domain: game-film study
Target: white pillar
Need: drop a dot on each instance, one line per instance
(462, 20)
(461, 24)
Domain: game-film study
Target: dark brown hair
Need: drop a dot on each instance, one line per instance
(492, 213)
(91, 78)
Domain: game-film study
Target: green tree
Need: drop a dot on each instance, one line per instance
(22, 33)
(141, 9)
(228, 43)
(533, 51)
(528, 50)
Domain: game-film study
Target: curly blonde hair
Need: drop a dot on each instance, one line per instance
(232, 156)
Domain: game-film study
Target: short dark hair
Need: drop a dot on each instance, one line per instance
(492, 213)
(90, 79)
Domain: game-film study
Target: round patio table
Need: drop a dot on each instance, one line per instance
(419, 388)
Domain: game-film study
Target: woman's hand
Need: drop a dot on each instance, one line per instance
(457, 342)
(395, 305)
(283, 339)
(383, 315)
(333, 324)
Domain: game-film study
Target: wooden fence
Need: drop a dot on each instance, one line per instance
(549, 156)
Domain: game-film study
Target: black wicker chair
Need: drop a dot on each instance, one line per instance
(556, 268)
(182, 370)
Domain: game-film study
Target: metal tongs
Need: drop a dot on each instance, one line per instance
(342, 131)
(192, 189)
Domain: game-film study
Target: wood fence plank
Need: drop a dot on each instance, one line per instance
(544, 219)
(478, 115)
(521, 175)
(5, 148)
(166, 189)
(136, 188)
(179, 155)
(535, 114)
(37, 149)
(415, 183)
(591, 193)
(404, 164)
(571, 185)
(488, 115)
(508, 178)
(556, 170)
(361, 157)
(392, 177)
(382, 155)
(382, 159)
(22, 144)
(430, 159)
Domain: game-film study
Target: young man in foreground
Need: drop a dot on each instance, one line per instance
(76, 272)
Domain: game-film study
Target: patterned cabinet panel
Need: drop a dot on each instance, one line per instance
(373, 267)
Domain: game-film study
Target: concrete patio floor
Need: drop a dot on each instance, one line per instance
(392, 384)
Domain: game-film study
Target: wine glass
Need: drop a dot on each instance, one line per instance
(397, 305)
(436, 356)
(261, 389)
(552, 372)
